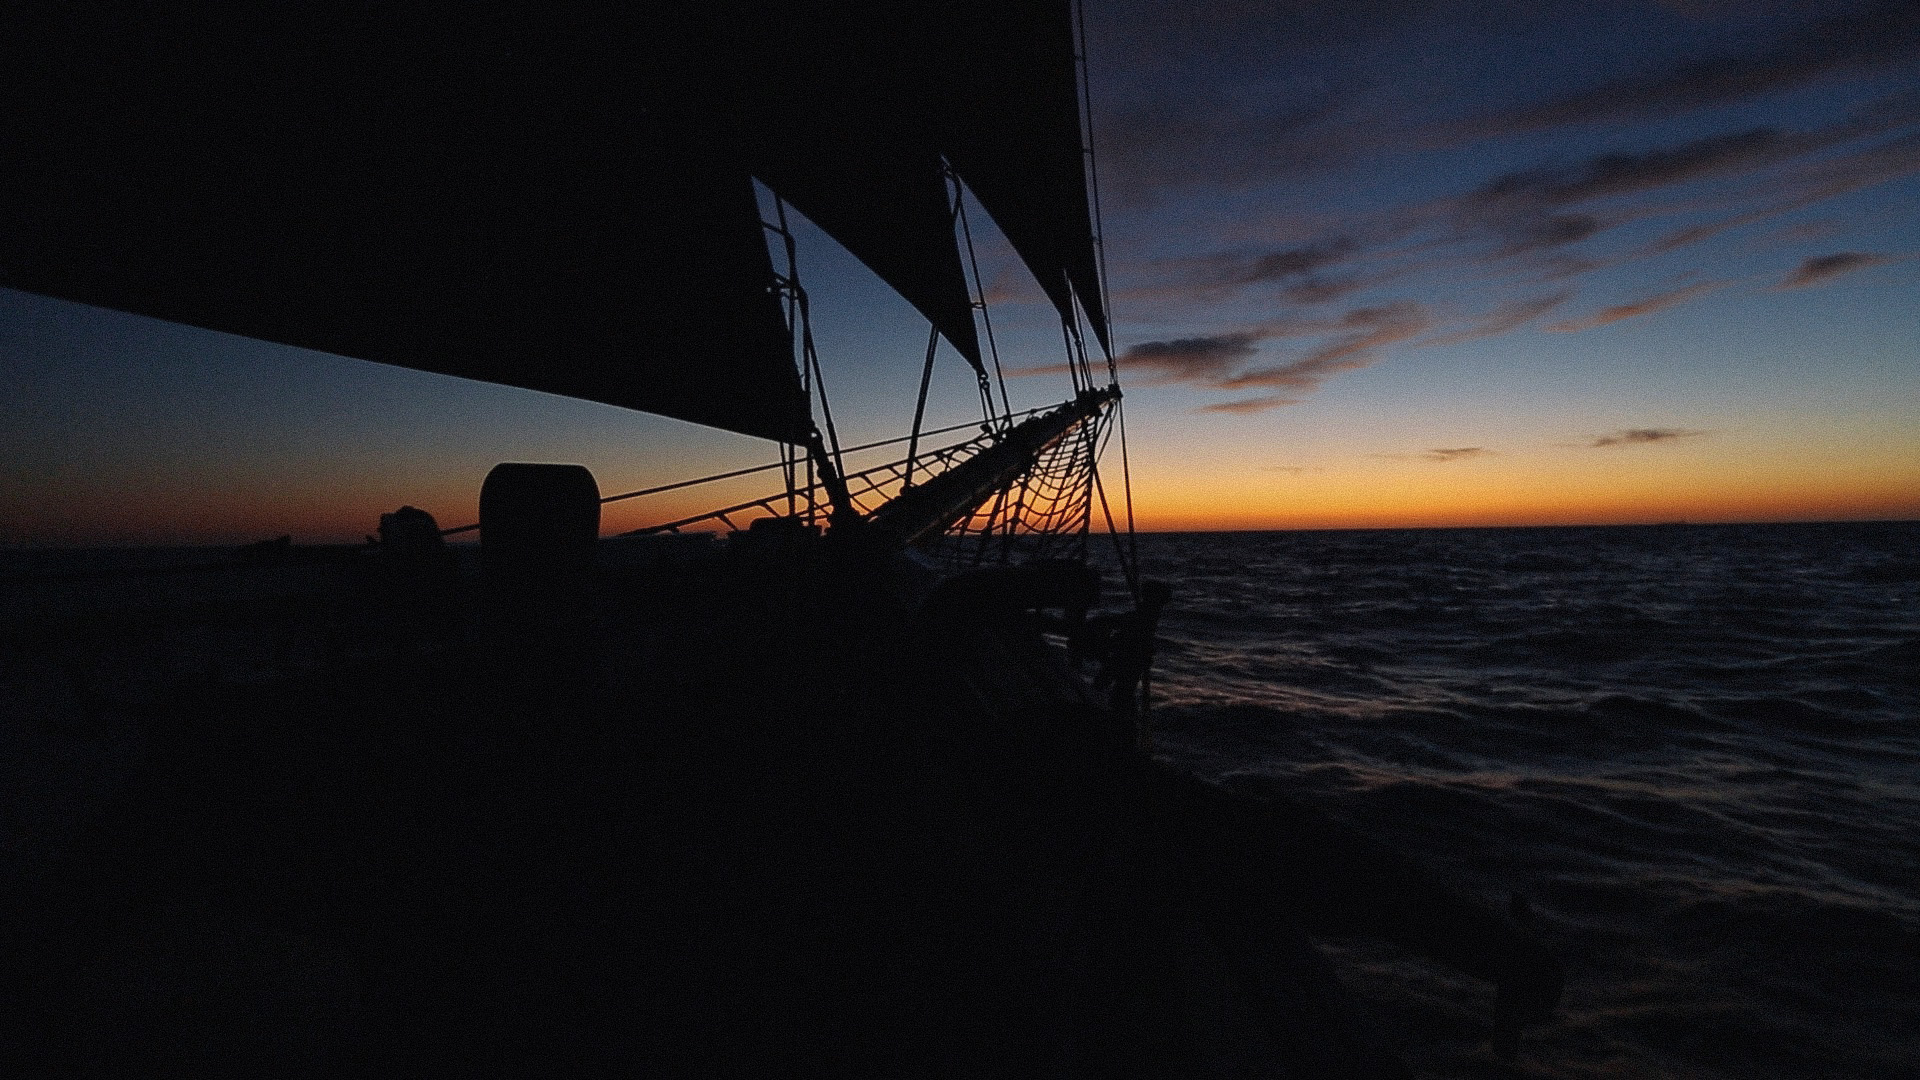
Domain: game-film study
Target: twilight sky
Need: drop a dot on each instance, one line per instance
(1373, 264)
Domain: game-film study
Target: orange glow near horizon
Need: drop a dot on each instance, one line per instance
(1523, 492)
(1197, 518)
(1373, 495)
(1846, 472)
(314, 511)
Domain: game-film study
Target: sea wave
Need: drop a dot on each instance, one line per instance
(1695, 749)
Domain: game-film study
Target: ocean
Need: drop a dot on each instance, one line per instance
(1694, 750)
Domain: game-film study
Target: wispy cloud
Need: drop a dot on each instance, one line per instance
(1306, 373)
(1038, 369)
(1822, 269)
(1457, 453)
(1645, 306)
(1526, 232)
(1618, 174)
(1373, 329)
(1891, 160)
(1250, 405)
(1694, 234)
(1814, 181)
(1218, 360)
(1843, 44)
(1641, 436)
(1239, 269)
(1544, 208)
(1196, 359)
(1504, 319)
(1317, 290)
(1537, 218)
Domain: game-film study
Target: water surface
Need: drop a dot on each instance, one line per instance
(1695, 749)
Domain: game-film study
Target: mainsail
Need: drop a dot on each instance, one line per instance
(536, 197)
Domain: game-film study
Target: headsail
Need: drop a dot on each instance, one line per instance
(552, 201)
(1011, 119)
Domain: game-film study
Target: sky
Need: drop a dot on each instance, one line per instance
(1372, 265)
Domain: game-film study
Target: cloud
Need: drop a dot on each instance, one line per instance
(1233, 101)
(1505, 319)
(1822, 269)
(1306, 373)
(1694, 234)
(1531, 221)
(1847, 43)
(1457, 453)
(1212, 360)
(1240, 269)
(1526, 229)
(1039, 369)
(1372, 329)
(1544, 208)
(1195, 359)
(1637, 436)
(1317, 290)
(1646, 306)
(1294, 470)
(1618, 174)
(1250, 405)
(1891, 160)
(1817, 181)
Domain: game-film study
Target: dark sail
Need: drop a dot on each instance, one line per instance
(552, 201)
(476, 199)
(888, 205)
(1011, 119)
(990, 85)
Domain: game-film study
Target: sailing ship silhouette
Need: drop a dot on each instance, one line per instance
(821, 797)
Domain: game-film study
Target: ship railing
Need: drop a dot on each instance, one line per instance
(1045, 512)
(869, 488)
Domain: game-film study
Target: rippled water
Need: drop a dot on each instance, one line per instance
(1696, 749)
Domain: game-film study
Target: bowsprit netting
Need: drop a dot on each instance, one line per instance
(1043, 511)
(1046, 513)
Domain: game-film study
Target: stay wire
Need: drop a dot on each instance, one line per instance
(980, 299)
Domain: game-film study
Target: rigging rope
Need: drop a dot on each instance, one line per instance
(980, 305)
(1130, 557)
(920, 404)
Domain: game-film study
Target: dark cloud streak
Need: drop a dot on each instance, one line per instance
(1822, 269)
(1620, 174)
(1195, 359)
(1505, 319)
(1882, 35)
(1374, 328)
(1635, 309)
(1250, 405)
(1457, 453)
(1235, 270)
(1316, 290)
(1642, 436)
